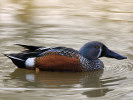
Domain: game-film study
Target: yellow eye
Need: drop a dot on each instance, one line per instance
(97, 47)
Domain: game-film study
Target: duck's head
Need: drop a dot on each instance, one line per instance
(95, 50)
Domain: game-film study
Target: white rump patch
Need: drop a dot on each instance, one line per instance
(30, 62)
(99, 54)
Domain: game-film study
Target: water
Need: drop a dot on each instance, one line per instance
(69, 23)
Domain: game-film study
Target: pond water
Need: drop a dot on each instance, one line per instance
(69, 23)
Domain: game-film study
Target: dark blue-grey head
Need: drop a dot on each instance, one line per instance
(95, 50)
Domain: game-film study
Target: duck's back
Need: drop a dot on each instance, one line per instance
(50, 59)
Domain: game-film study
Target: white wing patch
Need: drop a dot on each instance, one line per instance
(30, 62)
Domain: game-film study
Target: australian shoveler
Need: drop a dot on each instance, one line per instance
(63, 58)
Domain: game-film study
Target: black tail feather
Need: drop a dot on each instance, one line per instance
(20, 63)
(30, 47)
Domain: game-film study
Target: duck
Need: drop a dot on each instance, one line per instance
(40, 58)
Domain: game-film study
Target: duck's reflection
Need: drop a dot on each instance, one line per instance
(62, 80)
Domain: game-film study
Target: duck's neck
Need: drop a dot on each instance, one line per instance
(84, 51)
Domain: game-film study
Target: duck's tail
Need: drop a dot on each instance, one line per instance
(17, 60)
(30, 47)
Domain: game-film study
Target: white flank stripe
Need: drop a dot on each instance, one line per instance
(15, 58)
(99, 54)
(30, 62)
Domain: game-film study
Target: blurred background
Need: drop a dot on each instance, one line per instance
(69, 23)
